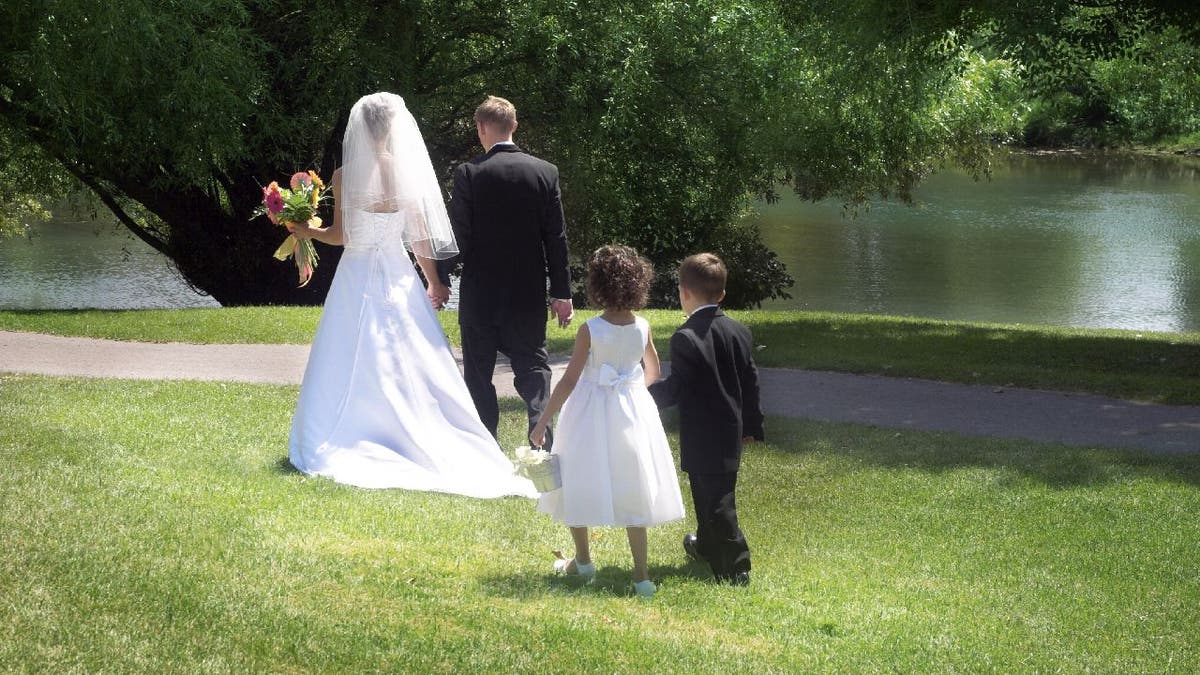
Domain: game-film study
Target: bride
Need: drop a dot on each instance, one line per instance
(382, 404)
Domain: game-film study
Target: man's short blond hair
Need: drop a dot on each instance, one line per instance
(703, 274)
(497, 113)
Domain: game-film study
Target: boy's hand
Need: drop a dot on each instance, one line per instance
(747, 440)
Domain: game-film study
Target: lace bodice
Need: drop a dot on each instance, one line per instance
(369, 229)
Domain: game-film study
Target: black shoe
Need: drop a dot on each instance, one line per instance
(735, 579)
(689, 546)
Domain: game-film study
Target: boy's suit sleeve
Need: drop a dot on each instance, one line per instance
(666, 391)
(752, 416)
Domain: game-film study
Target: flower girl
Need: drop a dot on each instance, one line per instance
(613, 457)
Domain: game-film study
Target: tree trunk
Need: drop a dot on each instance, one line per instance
(229, 255)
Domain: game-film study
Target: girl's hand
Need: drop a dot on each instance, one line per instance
(538, 435)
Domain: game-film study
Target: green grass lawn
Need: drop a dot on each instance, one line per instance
(156, 526)
(1159, 367)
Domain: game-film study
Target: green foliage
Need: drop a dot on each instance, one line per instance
(1111, 75)
(1153, 89)
(1092, 73)
(981, 105)
(665, 117)
(30, 183)
(756, 272)
(656, 117)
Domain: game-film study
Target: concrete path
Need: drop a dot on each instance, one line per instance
(1073, 419)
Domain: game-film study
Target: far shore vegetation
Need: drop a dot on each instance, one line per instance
(1138, 365)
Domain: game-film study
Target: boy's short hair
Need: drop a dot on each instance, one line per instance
(704, 275)
(497, 113)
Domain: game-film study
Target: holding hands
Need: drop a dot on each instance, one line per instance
(439, 293)
(537, 435)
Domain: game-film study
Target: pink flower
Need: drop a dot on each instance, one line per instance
(272, 198)
(300, 178)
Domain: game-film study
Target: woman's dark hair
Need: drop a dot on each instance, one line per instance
(378, 116)
(618, 278)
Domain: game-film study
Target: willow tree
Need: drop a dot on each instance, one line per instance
(175, 114)
(665, 117)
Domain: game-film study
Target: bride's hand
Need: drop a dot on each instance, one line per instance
(439, 293)
(300, 230)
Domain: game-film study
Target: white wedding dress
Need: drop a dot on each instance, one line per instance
(383, 404)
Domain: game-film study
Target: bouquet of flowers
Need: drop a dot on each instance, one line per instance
(539, 466)
(287, 207)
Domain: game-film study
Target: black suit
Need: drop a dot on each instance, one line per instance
(507, 217)
(714, 382)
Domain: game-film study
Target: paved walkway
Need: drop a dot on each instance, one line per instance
(1074, 419)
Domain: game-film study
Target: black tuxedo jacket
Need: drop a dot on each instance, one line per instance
(714, 382)
(507, 216)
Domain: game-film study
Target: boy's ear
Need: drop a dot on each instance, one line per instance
(721, 297)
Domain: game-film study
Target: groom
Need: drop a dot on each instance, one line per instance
(507, 216)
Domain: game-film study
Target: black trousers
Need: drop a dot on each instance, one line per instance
(719, 540)
(524, 343)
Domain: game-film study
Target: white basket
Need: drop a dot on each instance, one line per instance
(544, 474)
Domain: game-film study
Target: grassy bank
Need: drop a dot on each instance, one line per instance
(1188, 144)
(1160, 367)
(156, 526)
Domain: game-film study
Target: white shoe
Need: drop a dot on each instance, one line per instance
(645, 589)
(569, 567)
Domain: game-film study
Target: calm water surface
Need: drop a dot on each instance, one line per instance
(1108, 241)
(73, 263)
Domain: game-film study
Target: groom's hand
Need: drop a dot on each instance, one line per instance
(563, 310)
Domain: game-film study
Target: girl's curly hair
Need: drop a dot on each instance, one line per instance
(618, 278)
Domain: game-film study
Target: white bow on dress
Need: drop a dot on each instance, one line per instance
(609, 377)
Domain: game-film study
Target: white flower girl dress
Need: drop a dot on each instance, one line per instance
(615, 463)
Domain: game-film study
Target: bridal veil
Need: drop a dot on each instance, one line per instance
(386, 169)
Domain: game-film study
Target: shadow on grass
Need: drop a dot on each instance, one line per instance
(613, 580)
(1160, 367)
(1055, 465)
(283, 465)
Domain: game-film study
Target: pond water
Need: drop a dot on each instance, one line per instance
(1100, 240)
(75, 262)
